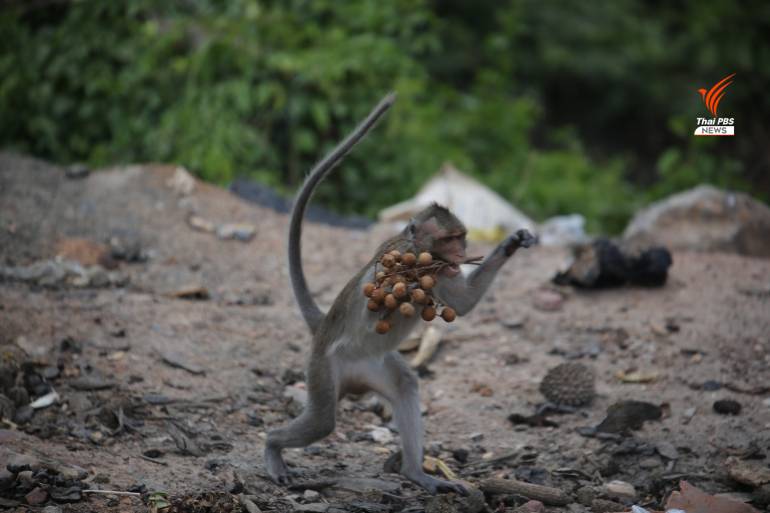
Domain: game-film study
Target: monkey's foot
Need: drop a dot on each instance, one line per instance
(434, 485)
(276, 467)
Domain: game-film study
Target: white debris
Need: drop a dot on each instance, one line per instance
(563, 230)
(381, 435)
(485, 213)
(45, 401)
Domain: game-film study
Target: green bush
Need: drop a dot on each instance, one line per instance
(560, 107)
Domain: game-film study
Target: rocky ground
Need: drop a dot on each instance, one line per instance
(158, 369)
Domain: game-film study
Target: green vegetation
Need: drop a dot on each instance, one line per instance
(561, 106)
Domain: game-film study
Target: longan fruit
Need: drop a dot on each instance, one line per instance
(399, 290)
(388, 261)
(378, 295)
(425, 258)
(368, 289)
(419, 296)
(372, 305)
(448, 314)
(382, 327)
(379, 276)
(428, 313)
(408, 259)
(406, 309)
(391, 302)
(395, 254)
(427, 282)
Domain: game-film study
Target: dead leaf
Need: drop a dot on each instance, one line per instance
(637, 376)
(693, 500)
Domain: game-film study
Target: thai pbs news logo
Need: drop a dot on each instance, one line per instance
(711, 97)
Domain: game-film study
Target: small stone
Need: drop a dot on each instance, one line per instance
(585, 495)
(667, 450)
(727, 407)
(711, 385)
(461, 455)
(36, 497)
(547, 300)
(531, 507)
(750, 473)
(53, 508)
(311, 495)
(71, 494)
(649, 463)
(605, 506)
(96, 437)
(381, 435)
(620, 489)
(476, 437)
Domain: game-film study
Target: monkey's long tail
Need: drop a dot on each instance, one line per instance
(310, 311)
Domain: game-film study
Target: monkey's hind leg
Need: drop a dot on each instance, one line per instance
(316, 421)
(401, 388)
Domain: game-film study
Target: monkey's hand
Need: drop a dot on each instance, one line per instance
(520, 239)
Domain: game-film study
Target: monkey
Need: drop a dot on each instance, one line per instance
(346, 355)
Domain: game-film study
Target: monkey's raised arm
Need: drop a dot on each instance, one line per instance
(463, 293)
(310, 311)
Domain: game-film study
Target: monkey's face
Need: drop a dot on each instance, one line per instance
(445, 243)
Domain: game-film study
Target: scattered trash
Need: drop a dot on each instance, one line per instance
(45, 401)
(487, 216)
(433, 465)
(429, 343)
(199, 223)
(563, 230)
(637, 376)
(727, 407)
(381, 435)
(625, 416)
(570, 384)
(237, 231)
(603, 264)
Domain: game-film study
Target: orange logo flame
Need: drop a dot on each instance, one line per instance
(712, 97)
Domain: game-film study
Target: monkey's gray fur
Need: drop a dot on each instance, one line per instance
(347, 355)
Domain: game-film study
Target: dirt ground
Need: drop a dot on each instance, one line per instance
(139, 423)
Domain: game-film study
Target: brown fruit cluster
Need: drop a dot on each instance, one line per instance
(404, 283)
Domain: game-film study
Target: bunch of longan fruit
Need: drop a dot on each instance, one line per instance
(402, 282)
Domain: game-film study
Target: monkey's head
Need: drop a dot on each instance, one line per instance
(438, 231)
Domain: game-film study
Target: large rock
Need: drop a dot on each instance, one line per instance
(704, 219)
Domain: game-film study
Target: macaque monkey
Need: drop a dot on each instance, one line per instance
(347, 356)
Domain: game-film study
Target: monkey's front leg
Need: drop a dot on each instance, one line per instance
(463, 293)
